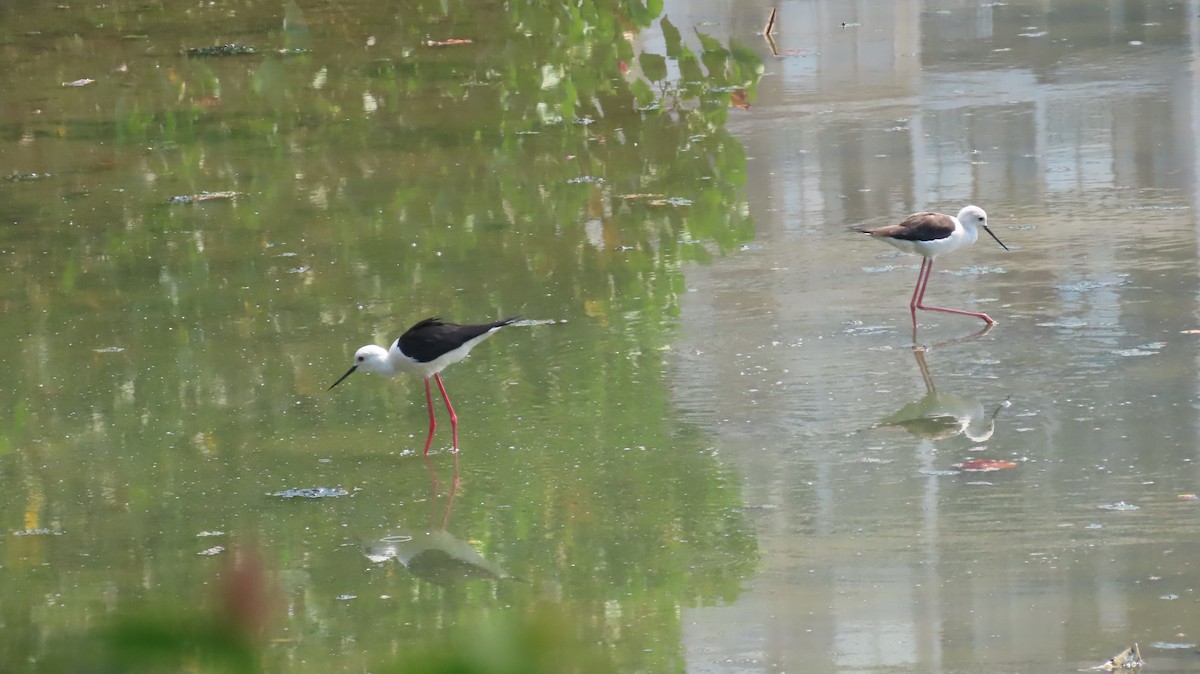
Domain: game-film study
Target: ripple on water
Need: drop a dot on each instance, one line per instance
(1067, 323)
(1148, 349)
(1088, 286)
(975, 270)
(860, 329)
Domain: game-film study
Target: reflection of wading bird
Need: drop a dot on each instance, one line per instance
(938, 416)
(436, 555)
(426, 349)
(929, 235)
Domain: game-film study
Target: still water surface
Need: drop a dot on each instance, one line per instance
(708, 449)
(1074, 125)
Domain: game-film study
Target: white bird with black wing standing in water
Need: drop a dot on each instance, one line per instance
(930, 234)
(425, 349)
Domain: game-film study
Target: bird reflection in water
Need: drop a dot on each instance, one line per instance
(939, 416)
(436, 555)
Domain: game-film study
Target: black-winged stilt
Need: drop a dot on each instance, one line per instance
(425, 349)
(930, 234)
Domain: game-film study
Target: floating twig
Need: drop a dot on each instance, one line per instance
(450, 42)
(770, 23)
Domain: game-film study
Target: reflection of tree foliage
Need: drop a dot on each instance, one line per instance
(552, 167)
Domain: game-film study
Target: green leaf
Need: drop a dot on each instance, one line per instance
(671, 38)
(711, 44)
(654, 66)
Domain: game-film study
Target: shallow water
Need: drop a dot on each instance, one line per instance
(712, 446)
(878, 553)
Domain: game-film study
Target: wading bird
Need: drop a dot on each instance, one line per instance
(929, 235)
(425, 349)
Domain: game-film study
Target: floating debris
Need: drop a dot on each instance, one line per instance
(312, 492)
(1130, 658)
(21, 177)
(37, 532)
(346, 597)
(1120, 506)
(673, 201)
(542, 321)
(202, 197)
(585, 179)
(202, 534)
(1170, 646)
(83, 82)
(1189, 497)
(221, 50)
(215, 550)
(451, 42)
(984, 465)
(109, 349)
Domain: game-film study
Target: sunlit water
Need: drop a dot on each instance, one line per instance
(712, 447)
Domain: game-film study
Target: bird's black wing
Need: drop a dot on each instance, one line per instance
(432, 338)
(926, 226)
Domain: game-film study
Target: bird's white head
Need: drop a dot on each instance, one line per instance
(370, 358)
(973, 217)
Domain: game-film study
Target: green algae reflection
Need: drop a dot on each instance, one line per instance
(168, 360)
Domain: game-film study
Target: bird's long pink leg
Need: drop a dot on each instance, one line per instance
(450, 409)
(919, 298)
(919, 291)
(432, 420)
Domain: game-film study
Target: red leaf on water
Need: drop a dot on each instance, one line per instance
(984, 465)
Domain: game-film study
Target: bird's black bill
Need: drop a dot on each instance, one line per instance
(989, 231)
(348, 373)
